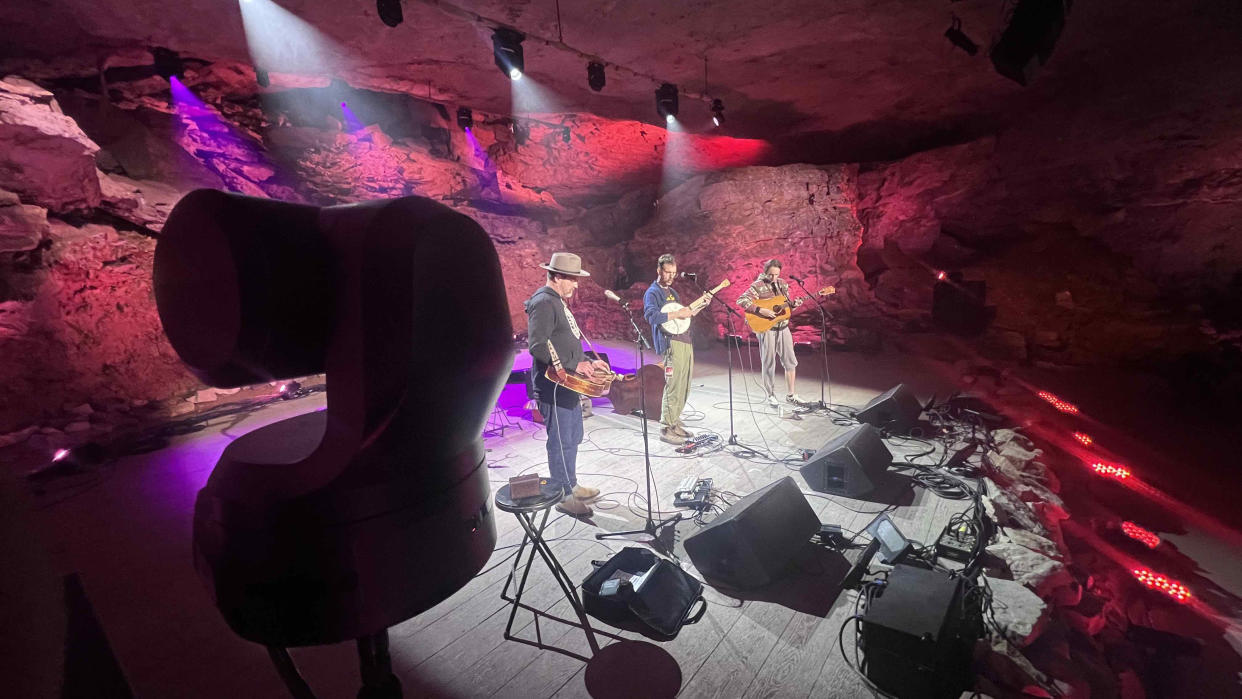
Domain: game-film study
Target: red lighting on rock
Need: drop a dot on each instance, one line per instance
(1168, 586)
(1083, 438)
(1059, 404)
(1113, 470)
(1138, 533)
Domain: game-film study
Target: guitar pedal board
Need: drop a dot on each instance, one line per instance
(696, 442)
(692, 493)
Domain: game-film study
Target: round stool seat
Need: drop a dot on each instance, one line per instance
(548, 496)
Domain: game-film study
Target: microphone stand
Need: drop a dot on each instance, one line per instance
(651, 527)
(729, 337)
(823, 338)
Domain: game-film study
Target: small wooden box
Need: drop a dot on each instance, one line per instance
(526, 486)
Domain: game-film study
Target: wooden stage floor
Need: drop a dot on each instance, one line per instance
(128, 537)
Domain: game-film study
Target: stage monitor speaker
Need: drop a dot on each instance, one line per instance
(752, 543)
(896, 410)
(917, 634)
(1026, 44)
(850, 464)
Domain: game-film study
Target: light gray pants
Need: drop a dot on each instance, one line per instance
(773, 344)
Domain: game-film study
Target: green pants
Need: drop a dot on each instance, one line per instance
(680, 356)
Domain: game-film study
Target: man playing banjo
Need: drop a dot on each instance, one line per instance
(676, 350)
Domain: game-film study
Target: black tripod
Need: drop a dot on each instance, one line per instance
(823, 338)
(730, 338)
(651, 526)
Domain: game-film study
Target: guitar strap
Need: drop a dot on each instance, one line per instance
(573, 324)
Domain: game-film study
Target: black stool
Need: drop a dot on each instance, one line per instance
(527, 510)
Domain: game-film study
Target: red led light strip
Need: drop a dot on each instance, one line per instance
(1114, 470)
(1059, 404)
(1168, 586)
(1083, 438)
(1138, 533)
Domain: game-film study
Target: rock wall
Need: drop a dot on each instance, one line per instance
(1048, 227)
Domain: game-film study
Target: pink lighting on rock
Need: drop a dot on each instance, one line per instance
(1063, 406)
(1168, 586)
(1111, 470)
(1138, 533)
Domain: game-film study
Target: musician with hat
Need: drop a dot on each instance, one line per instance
(551, 327)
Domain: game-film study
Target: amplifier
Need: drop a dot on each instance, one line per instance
(917, 635)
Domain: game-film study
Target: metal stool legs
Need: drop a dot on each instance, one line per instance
(534, 536)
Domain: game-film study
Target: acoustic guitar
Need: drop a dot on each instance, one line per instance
(593, 386)
(677, 326)
(778, 305)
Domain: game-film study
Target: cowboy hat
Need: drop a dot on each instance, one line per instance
(566, 263)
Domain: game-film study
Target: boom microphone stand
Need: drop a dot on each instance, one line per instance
(729, 335)
(651, 526)
(823, 337)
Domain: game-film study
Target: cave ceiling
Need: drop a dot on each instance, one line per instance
(862, 69)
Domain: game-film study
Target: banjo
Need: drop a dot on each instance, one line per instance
(677, 326)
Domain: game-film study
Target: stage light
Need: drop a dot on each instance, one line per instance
(666, 101)
(1168, 586)
(507, 50)
(291, 390)
(959, 39)
(1138, 533)
(65, 462)
(717, 112)
(464, 118)
(1083, 438)
(1063, 406)
(389, 12)
(941, 276)
(595, 75)
(167, 62)
(262, 78)
(1117, 471)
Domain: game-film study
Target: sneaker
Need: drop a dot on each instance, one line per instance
(772, 401)
(573, 507)
(795, 399)
(668, 435)
(681, 431)
(583, 492)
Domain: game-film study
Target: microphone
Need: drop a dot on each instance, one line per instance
(612, 296)
(689, 275)
(797, 279)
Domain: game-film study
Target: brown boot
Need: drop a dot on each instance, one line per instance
(573, 507)
(667, 434)
(583, 492)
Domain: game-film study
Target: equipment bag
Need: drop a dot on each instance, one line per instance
(637, 591)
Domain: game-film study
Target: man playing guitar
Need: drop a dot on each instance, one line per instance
(776, 342)
(676, 350)
(549, 322)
